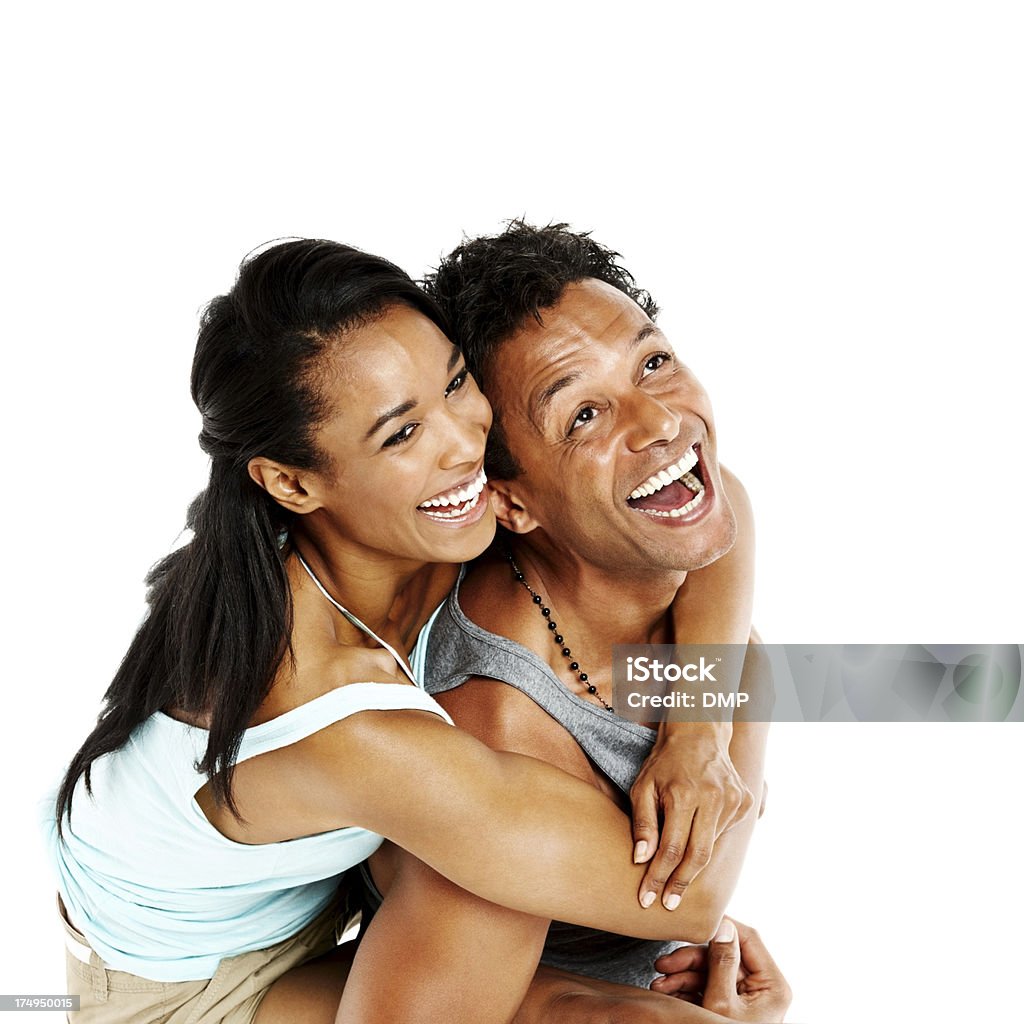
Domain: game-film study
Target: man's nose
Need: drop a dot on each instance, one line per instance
(650, 421)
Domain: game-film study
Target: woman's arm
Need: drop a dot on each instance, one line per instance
(461, 957)
(689, 781)
(715, 604)
(506, 827)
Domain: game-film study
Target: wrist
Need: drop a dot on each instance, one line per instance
(696, 734)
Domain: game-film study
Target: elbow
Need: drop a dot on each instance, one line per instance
(700, 922)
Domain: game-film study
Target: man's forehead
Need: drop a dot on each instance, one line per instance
(586, 309)
(539, 359)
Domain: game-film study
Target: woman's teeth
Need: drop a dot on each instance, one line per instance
(678, 471)
(455, 513)
(456, 503)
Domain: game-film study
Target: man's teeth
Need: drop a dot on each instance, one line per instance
(679, 471)
(471, 493)
(675, 513)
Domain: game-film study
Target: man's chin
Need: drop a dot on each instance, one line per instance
(693, 552)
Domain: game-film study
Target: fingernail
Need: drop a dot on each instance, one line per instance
(647, 899)
(640, 852)
(673, 901)
(726, 932)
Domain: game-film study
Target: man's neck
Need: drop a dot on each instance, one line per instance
(606, 605)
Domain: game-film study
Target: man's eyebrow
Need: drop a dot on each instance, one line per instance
(644, 333)
(543, 400)
(398, 410)
(454, 357)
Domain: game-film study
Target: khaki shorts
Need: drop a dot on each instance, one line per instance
(231, 996)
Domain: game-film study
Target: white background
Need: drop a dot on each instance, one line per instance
(825, 198)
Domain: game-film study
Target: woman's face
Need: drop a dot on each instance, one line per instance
(406, 442)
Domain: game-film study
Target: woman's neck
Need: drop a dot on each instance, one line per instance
(369, 585)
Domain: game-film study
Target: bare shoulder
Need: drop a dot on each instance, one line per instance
(487, 597)
(507, 719)
(320, 668)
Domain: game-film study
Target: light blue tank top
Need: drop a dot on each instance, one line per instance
(157, 890)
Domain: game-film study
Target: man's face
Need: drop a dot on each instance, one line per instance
(600, 413)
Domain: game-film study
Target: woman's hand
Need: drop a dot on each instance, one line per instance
(689, 784)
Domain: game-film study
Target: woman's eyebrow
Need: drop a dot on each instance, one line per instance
(410, 403)
(398, 410)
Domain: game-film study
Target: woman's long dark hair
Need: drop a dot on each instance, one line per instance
(220, 610)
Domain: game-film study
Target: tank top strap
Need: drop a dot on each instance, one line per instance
(460, 649)
(358, 623)
(333, 706)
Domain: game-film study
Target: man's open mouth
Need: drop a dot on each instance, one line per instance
(674, 491)
(455, 503)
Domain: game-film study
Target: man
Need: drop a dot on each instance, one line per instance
(603, 467)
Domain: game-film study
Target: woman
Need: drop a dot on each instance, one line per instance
(264, 729)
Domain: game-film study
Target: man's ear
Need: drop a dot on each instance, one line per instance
(510, 508)
(286, 485)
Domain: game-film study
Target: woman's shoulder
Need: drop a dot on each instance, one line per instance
(319, 671)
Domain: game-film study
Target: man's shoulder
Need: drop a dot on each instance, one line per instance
(507, 719)
(492, 709)
(475, 635)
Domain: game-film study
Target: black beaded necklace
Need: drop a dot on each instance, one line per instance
(555, 635)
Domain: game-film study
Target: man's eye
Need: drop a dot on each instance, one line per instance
(456, 382)
(655, 362)
(585, 415)
(402, 436)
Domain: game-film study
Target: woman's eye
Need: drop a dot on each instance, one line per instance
(456, 382)
(585, 415)
(402, 436)
(655, 362)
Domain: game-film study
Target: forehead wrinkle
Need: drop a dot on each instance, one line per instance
(540, 404)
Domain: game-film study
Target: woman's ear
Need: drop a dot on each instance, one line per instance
(284, 484)
(510, 507)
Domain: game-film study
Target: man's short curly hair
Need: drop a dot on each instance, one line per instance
(490, 286)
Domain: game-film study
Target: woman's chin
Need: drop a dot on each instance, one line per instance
(459, 539)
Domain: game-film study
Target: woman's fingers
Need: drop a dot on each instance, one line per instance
(675, 836)
(645, 822)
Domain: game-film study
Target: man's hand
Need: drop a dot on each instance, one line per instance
(734, 975)
(688, 784)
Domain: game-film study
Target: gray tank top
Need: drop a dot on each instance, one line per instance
(458, 649)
